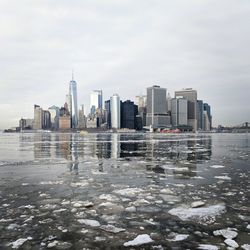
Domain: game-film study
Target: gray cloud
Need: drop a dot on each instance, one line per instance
(123, 47)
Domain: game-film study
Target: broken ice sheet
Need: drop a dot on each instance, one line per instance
(139, 240)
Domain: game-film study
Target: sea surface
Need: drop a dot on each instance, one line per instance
(124, 191)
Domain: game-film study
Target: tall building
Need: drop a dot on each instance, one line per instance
(37, 117)
(115, 107)
(72, 102)
(107, 114)
(141, 102)
(179, 111)
(82, 118)
(95, 100)
(206, 122)
(46, 119)
(54, 116)
(157, 107)
(191, 96)
(200, 110)
(207, 108)
(129, 112)
(65, 117)
(26, 123)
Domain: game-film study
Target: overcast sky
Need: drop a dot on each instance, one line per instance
(124, 46)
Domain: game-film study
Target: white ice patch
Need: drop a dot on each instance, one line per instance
(245, 247)
(112, 229)
(51, 182)
(130, 192)
(223, 177)
(217, 166)
(108, 197)
(139, 240)
(227, 233)
(201, 214)
(16, 244)
(91, 223)
(179, 237)
(197, 204)
(231, 243)
(207, 247)
(79, 184)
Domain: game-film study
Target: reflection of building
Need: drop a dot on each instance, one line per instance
(179, 111)
(115, 146)
(115, 108)
(191, 96)
(157, 107)
(73, 108)
(95, 100)
(128, 114)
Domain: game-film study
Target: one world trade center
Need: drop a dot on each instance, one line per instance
(73, 103)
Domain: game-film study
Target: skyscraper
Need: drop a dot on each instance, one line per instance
(157, 107)
(179, 108)
(54, 115)
(191, 95)
(207, 108)
(95, 100)
(200, 110)
(115, 107)
(73, 103)
(38, 117)
(129, 111)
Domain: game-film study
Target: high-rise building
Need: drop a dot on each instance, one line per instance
(129, 112)
(200, 110)
(115, 107)
(65, 118)
(141, 102)
(54, 116)
(206, 122)
(107, 114)
(157, 107)
(95, 100)
(82, 118)
(26, 123)
(191, 96)
(179, 108)
(37, 117)
(73, 108)
(207, 108)
(46, 119)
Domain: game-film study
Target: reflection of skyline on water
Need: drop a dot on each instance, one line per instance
(158, 151)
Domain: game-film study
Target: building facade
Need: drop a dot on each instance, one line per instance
(191, 96)
(95, 100)
(179, 111)
(37, 117)
(54, 116)
(115, 108)
(157, 107)
(129, 111)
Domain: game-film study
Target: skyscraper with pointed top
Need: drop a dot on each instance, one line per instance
(73, 102)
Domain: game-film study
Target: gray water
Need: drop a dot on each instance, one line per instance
(60, 191)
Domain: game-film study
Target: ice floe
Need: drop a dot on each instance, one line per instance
(91, 223)
(178, 237)
(201, 214)
(231, 243)
(112, 229)
(197, 204)
(245, 246)
(129, 192)
(139, 240)
(207, 247)
(217, 166)
(227, 233)
(18, 243)
(223, 177)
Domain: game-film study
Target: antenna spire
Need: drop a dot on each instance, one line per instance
(72, 75)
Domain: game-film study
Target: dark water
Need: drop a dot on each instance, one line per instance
(60, 191)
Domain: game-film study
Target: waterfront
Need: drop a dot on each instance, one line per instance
(100, 191)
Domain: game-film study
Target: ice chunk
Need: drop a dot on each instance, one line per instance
(130, 192)
(207, 247)
(227, 233)
(217, 166)
(108, 197)
(179, 237)
(112, 229)
(231, 243)
(139, 240)
(197, 204)
(131, 209)
(87, 222)
(201, 214)
(245, 247)
(16, 244)
(223, 177)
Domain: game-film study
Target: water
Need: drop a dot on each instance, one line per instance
(60, 191)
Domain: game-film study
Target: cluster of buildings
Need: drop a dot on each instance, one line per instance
(156, 111)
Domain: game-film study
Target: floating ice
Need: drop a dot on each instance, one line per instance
(227, 233)
(201, 215)
(112, 229)
(51, 182)
(179, 237)
(79, 184)
(59, 210)
(16, 244)
(87, 222)
(130, 192)
(245, 246)
(223, 177)
(197, 204)
(130, 209)
(207, 247)
(12, 226)
(217, 166)
(108, 197)
(231, 243)
(139, 240)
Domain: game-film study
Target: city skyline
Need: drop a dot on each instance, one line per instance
(132, 46)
